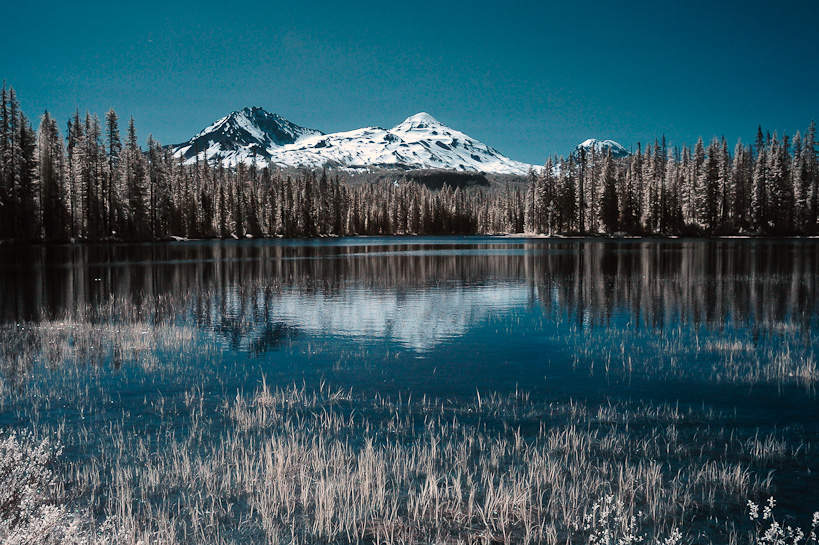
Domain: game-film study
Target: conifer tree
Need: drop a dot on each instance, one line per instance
(51, 172)
(811, 160)
(699, 179)
(609, 205)
(76, 168)
(112, 190)
(630, 215)
(93, 176)
(5, 193)
(781, 188)
(687, 196)
(133, 180)
(708, 202)
(742, 169)
(28, 224)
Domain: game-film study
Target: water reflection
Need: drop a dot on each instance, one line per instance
(418, 292)
(417, 319)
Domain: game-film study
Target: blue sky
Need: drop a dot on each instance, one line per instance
(528, 78)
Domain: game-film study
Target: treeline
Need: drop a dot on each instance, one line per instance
(95, 184)
(92, 185)
(769, 188)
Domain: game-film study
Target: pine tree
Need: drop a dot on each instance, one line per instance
(19, 191)
(135, 213)
(654, 187)
(664, 189)
(546, 195)
(781, 188)
(581, 191)
(12, 163)
(29, 224)
(800, 184)
(708, 198)
(568, 198)
(76, 167)
(51, 172)
(630, 215)
(726, 188)
(759, 194)
(5, 159)
(811, 159)
(609, 205)
(93, 177)
(161, 204)
(530, 212)
(672, 192)
(687, 188)
(112, 190)
(743, 186)
(706, 179)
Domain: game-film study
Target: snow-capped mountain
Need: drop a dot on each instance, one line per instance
(419, 142)
(600, 148)
(241, 136)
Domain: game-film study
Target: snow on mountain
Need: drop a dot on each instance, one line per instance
(241, 136)
(419, 142)
(600, 148)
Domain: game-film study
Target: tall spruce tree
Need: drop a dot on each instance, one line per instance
(112, 188)
(609, 205)
(811, 158)
(51, 165)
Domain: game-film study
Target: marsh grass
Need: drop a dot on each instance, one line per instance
(62, 361)
(297, 465)
(778, 356)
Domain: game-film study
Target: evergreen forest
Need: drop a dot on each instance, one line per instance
(94, 183)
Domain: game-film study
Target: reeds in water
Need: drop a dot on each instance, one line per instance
(293, 465)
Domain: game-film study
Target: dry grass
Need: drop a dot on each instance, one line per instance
(292, 465)
(784, 358)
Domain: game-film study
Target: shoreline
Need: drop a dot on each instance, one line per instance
(500, 236)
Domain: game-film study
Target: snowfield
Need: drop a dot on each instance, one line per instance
(419, 142)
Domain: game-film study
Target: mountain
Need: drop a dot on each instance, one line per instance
(241, 136)
(419, 142)
(600, 148)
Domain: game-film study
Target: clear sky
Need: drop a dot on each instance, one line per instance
(530, 79)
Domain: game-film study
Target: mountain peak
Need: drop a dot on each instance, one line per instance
(256, 112)
(421, 120)
(601, 147)
(251, 131)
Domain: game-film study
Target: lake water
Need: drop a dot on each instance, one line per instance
(722, 326)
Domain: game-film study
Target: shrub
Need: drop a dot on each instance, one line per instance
(27, 489)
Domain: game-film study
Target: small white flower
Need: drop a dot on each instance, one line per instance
(753, 510)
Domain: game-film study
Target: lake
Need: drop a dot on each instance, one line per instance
(675, 379)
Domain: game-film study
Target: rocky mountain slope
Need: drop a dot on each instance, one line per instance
(419, 142)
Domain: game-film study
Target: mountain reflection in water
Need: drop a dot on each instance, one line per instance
(418, 292)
